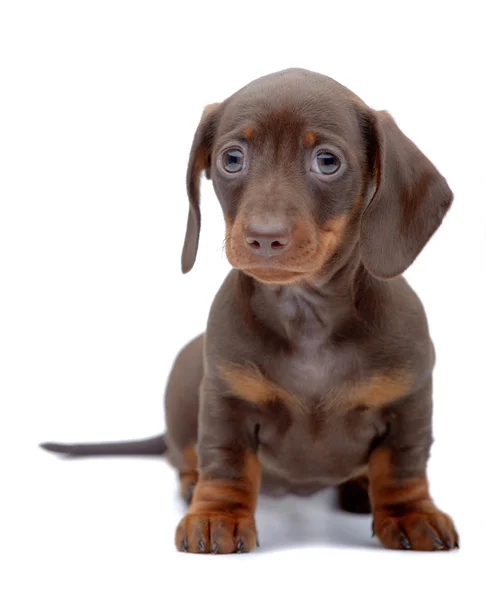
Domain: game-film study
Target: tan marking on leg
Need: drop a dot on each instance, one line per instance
(188, 475)
(223, 494)
(385, 489)
(221, 517)
(404, 515)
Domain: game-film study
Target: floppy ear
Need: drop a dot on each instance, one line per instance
(199, 160)
(410, 200)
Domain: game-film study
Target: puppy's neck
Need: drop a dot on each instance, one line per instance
(310, 308)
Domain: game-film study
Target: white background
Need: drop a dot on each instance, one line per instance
(98, 104)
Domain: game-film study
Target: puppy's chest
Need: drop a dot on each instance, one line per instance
(311, 371)
(318, 427)
(315, 364)
(313, 431)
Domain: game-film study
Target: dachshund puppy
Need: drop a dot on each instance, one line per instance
(316, 366)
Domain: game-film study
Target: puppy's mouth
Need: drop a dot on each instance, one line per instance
(281, 270)
(273, 275)
(305, 256)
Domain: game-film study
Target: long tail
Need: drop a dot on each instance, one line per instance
(147, 447)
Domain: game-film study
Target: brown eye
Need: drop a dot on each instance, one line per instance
(233, 160)
(326, 163)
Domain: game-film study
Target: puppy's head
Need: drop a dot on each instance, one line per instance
(304, 172)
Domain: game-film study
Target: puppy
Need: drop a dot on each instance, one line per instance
(316, 366)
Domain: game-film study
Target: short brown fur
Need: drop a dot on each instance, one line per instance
(316, 365)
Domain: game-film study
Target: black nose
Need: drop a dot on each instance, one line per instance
(267, 241)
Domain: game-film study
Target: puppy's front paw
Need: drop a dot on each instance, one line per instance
(216, 533)
(414, 530)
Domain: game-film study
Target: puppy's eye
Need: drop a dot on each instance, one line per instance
(233, 160)
(325, 163)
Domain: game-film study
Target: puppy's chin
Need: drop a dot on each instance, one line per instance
(277, 273)
(274, 276)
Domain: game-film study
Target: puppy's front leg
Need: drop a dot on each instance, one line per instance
(404, 515)
(221, 519)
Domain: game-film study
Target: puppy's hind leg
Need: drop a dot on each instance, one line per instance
(188, 474)
(353, 496)
(181, 412)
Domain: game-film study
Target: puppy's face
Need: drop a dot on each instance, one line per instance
(290, 171)
(304, 172)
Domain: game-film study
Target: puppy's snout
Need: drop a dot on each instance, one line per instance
(267, 240)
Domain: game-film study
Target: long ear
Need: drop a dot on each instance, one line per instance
(199, 160)
(409, 203)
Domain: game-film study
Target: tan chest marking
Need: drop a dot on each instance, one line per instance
(249, 383)
(376, 391)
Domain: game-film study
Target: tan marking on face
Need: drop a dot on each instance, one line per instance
(249, 383)
(305, 258)
(357, 202)
(330, 236)
(331, 233)
(248, 132)
(309, 139)
(306, 253)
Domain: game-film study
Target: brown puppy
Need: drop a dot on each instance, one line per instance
(316, 366)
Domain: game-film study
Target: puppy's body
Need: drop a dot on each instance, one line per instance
(316, 366)
(324, 397)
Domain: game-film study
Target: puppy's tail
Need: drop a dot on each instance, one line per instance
(154, 446)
